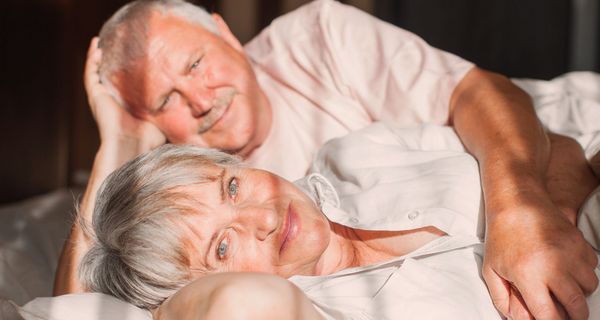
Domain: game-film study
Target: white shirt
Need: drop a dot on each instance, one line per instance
(329, 69)
(389, 178)
(438, 281)
(407, 178)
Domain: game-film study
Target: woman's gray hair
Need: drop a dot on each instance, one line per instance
(124, 36)
(137, 253)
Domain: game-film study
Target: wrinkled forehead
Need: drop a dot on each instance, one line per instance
(203, 193)
(191, 239)
(168, 41)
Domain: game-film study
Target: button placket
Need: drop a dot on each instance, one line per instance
(412, 215)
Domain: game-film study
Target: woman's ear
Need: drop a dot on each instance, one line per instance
(226, 33)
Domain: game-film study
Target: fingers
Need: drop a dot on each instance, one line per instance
(499, 290)
(518, 309)
(560, 294)
(97, 93)
(590, 261)
(586, 279)
(590, 257)
(94, 44)
(583, 270)
(571, 297)
(94, 56)
(541, 304)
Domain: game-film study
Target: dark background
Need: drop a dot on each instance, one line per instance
(49, 137)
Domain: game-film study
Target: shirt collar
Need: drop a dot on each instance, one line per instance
(319, 189)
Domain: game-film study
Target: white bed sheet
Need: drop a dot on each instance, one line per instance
(31, 238)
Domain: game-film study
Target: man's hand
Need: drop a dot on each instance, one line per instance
(537, 264)
(115, 123)
(536, 261)
(123, 137)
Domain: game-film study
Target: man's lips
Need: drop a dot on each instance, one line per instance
(220, 109)
(216, 118)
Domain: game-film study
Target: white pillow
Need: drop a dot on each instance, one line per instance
(82, 306)
(32, 233)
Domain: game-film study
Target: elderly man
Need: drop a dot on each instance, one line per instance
(319, 73)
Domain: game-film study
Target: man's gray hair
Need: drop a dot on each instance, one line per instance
(137, 253)
(124, 36)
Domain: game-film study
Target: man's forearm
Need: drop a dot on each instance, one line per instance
(569, 179)
(108, 158)
(532, 247)
(497, 123)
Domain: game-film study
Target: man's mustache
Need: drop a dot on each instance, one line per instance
(224, 97)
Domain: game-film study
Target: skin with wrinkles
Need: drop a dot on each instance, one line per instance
(495, 120)
(250, 220)
(203, 93)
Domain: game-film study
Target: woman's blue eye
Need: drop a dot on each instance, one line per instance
(222, 249)
(233, 187)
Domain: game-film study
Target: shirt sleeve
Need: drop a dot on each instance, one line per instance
(394, 74)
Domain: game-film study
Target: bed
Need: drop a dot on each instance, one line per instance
(31, 239)
(32, 231)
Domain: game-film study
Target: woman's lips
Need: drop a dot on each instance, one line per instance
(290, 229)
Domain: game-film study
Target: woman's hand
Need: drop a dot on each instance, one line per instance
(115, 123)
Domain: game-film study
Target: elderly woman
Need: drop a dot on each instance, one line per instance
(388, 224)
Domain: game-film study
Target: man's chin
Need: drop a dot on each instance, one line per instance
(240, 149)
(232, 146)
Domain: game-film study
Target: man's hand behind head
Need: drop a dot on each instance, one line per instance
(115, 124)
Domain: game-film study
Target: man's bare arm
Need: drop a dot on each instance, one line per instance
(122, 137)
(530, 244)
(570, 178)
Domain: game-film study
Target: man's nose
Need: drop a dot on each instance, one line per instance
(199, 99)
(260, 221)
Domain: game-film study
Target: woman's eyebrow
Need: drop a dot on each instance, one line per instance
(222, 185)
(208, 249)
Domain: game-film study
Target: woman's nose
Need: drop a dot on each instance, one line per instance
(260, 221)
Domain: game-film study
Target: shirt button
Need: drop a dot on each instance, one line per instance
(413, 215)
(354, 220)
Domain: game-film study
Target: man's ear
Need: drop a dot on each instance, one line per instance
(226, 33)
